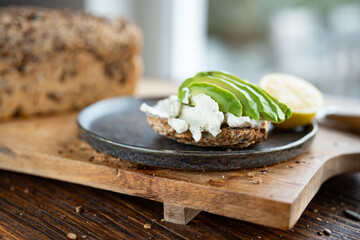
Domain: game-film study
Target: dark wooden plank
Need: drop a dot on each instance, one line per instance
(37, 208)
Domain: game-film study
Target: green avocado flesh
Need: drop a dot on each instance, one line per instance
(236, 96)
(249, 106)
(226, 100)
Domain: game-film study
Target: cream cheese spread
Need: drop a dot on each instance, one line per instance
(166, 108)
(186, 99)
(205, 116)
(244, 121)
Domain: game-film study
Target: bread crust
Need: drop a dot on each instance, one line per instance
(227, 138)
(59, 60)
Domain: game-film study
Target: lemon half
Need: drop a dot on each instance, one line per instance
(302, 97)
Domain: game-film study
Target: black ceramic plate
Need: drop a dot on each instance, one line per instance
(117, 127)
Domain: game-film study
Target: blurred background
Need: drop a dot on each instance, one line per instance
(316, 40)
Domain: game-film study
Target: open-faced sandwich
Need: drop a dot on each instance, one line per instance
(216, 109)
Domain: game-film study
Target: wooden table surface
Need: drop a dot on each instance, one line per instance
(38, 208)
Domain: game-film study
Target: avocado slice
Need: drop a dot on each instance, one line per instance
(284, 108)
(249, 105)
(223, 87)
(268, 109)
(283, 111)
(226, 100)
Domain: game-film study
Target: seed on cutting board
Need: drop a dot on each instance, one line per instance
(79, 209)
(71, 236)
(83, 146)
(147, 226)
(257, 181)
(251, 174)
(352, 215)
(327, 232)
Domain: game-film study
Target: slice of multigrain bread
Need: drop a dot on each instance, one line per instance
(59, 60)
(228, 137)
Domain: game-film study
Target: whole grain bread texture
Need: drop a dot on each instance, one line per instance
(227, 138)
(60, 60)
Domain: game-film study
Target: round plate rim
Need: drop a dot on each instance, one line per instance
(232, 153)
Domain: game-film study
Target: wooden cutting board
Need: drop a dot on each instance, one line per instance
(273, 196)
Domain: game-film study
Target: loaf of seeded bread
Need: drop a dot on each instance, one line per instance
(59, 60)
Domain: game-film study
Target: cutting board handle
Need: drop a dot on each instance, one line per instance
(351, 120)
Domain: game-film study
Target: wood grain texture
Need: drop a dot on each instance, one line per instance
(179, 215)
(38, 208)
(49, 147)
